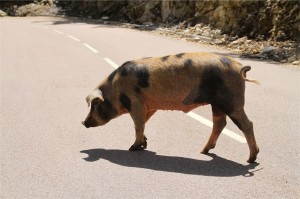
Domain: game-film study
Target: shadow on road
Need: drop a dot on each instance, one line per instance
(218, 166)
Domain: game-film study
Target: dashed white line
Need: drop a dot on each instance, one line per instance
(109, 61)
(59, 32)
(201, 119)
(74, 38)
(225, 131)
(91, 48)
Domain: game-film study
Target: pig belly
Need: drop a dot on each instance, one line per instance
(173, 104)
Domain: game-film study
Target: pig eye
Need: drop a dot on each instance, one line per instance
(106, 110)
(96, 101)
(94, 105)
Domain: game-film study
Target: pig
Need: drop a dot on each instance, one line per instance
(180, 82)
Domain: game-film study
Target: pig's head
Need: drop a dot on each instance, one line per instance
(102, 110)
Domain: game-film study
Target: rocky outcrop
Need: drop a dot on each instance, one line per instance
(30, 8)
(269, 19)
(3, 14)
(278, 20)
(265, 29)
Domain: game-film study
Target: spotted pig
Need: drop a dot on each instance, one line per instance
(181, 82)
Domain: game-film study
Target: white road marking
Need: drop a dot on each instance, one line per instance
(57, 31)
(113, 64)
(91, 48)
(74, 38)
(197, 117)
(225, 131)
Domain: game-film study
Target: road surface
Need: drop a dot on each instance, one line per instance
(49, 65)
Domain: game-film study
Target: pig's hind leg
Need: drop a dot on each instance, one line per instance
(241, 120)
(219, 122)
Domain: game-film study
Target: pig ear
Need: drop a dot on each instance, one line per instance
(93, 95)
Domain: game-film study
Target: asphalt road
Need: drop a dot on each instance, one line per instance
(48, 66)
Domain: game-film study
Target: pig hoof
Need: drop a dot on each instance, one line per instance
(204, 151)
(137, 147)
(252, 157)
(251, 160)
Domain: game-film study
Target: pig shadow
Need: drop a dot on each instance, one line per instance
(218, 167)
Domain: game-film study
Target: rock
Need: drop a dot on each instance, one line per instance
(219, 16)
(268, 49)
(187, 31)
(3, 14)
(232, 38)
(105, 18)
(240, 40)
(203, 38)
(197, 14)
(148, 23)
(296, 62)
(206, 33)
(281, 35)
(195, 39)
(218, 41)
(33, 9)
(292, 58)
(165, 10)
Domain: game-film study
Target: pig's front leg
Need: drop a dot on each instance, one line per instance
(138, 114)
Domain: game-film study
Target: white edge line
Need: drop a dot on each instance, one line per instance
(74, 38)
(57, 31)
(91, 48)
(225, 131)
(110, 62)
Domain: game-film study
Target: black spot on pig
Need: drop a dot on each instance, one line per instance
(106, 110)
(180, 55)
(226, 61)
(212, 90)
(187, 63)
(143, 77)
(112, 75)
(140, 71)
(165, 58)
(125, 101)
(127, 68)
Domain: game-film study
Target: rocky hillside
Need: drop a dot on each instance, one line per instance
(264, 29)
(28, 8)
(278, 20)
(250, 26)
(275, 19)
